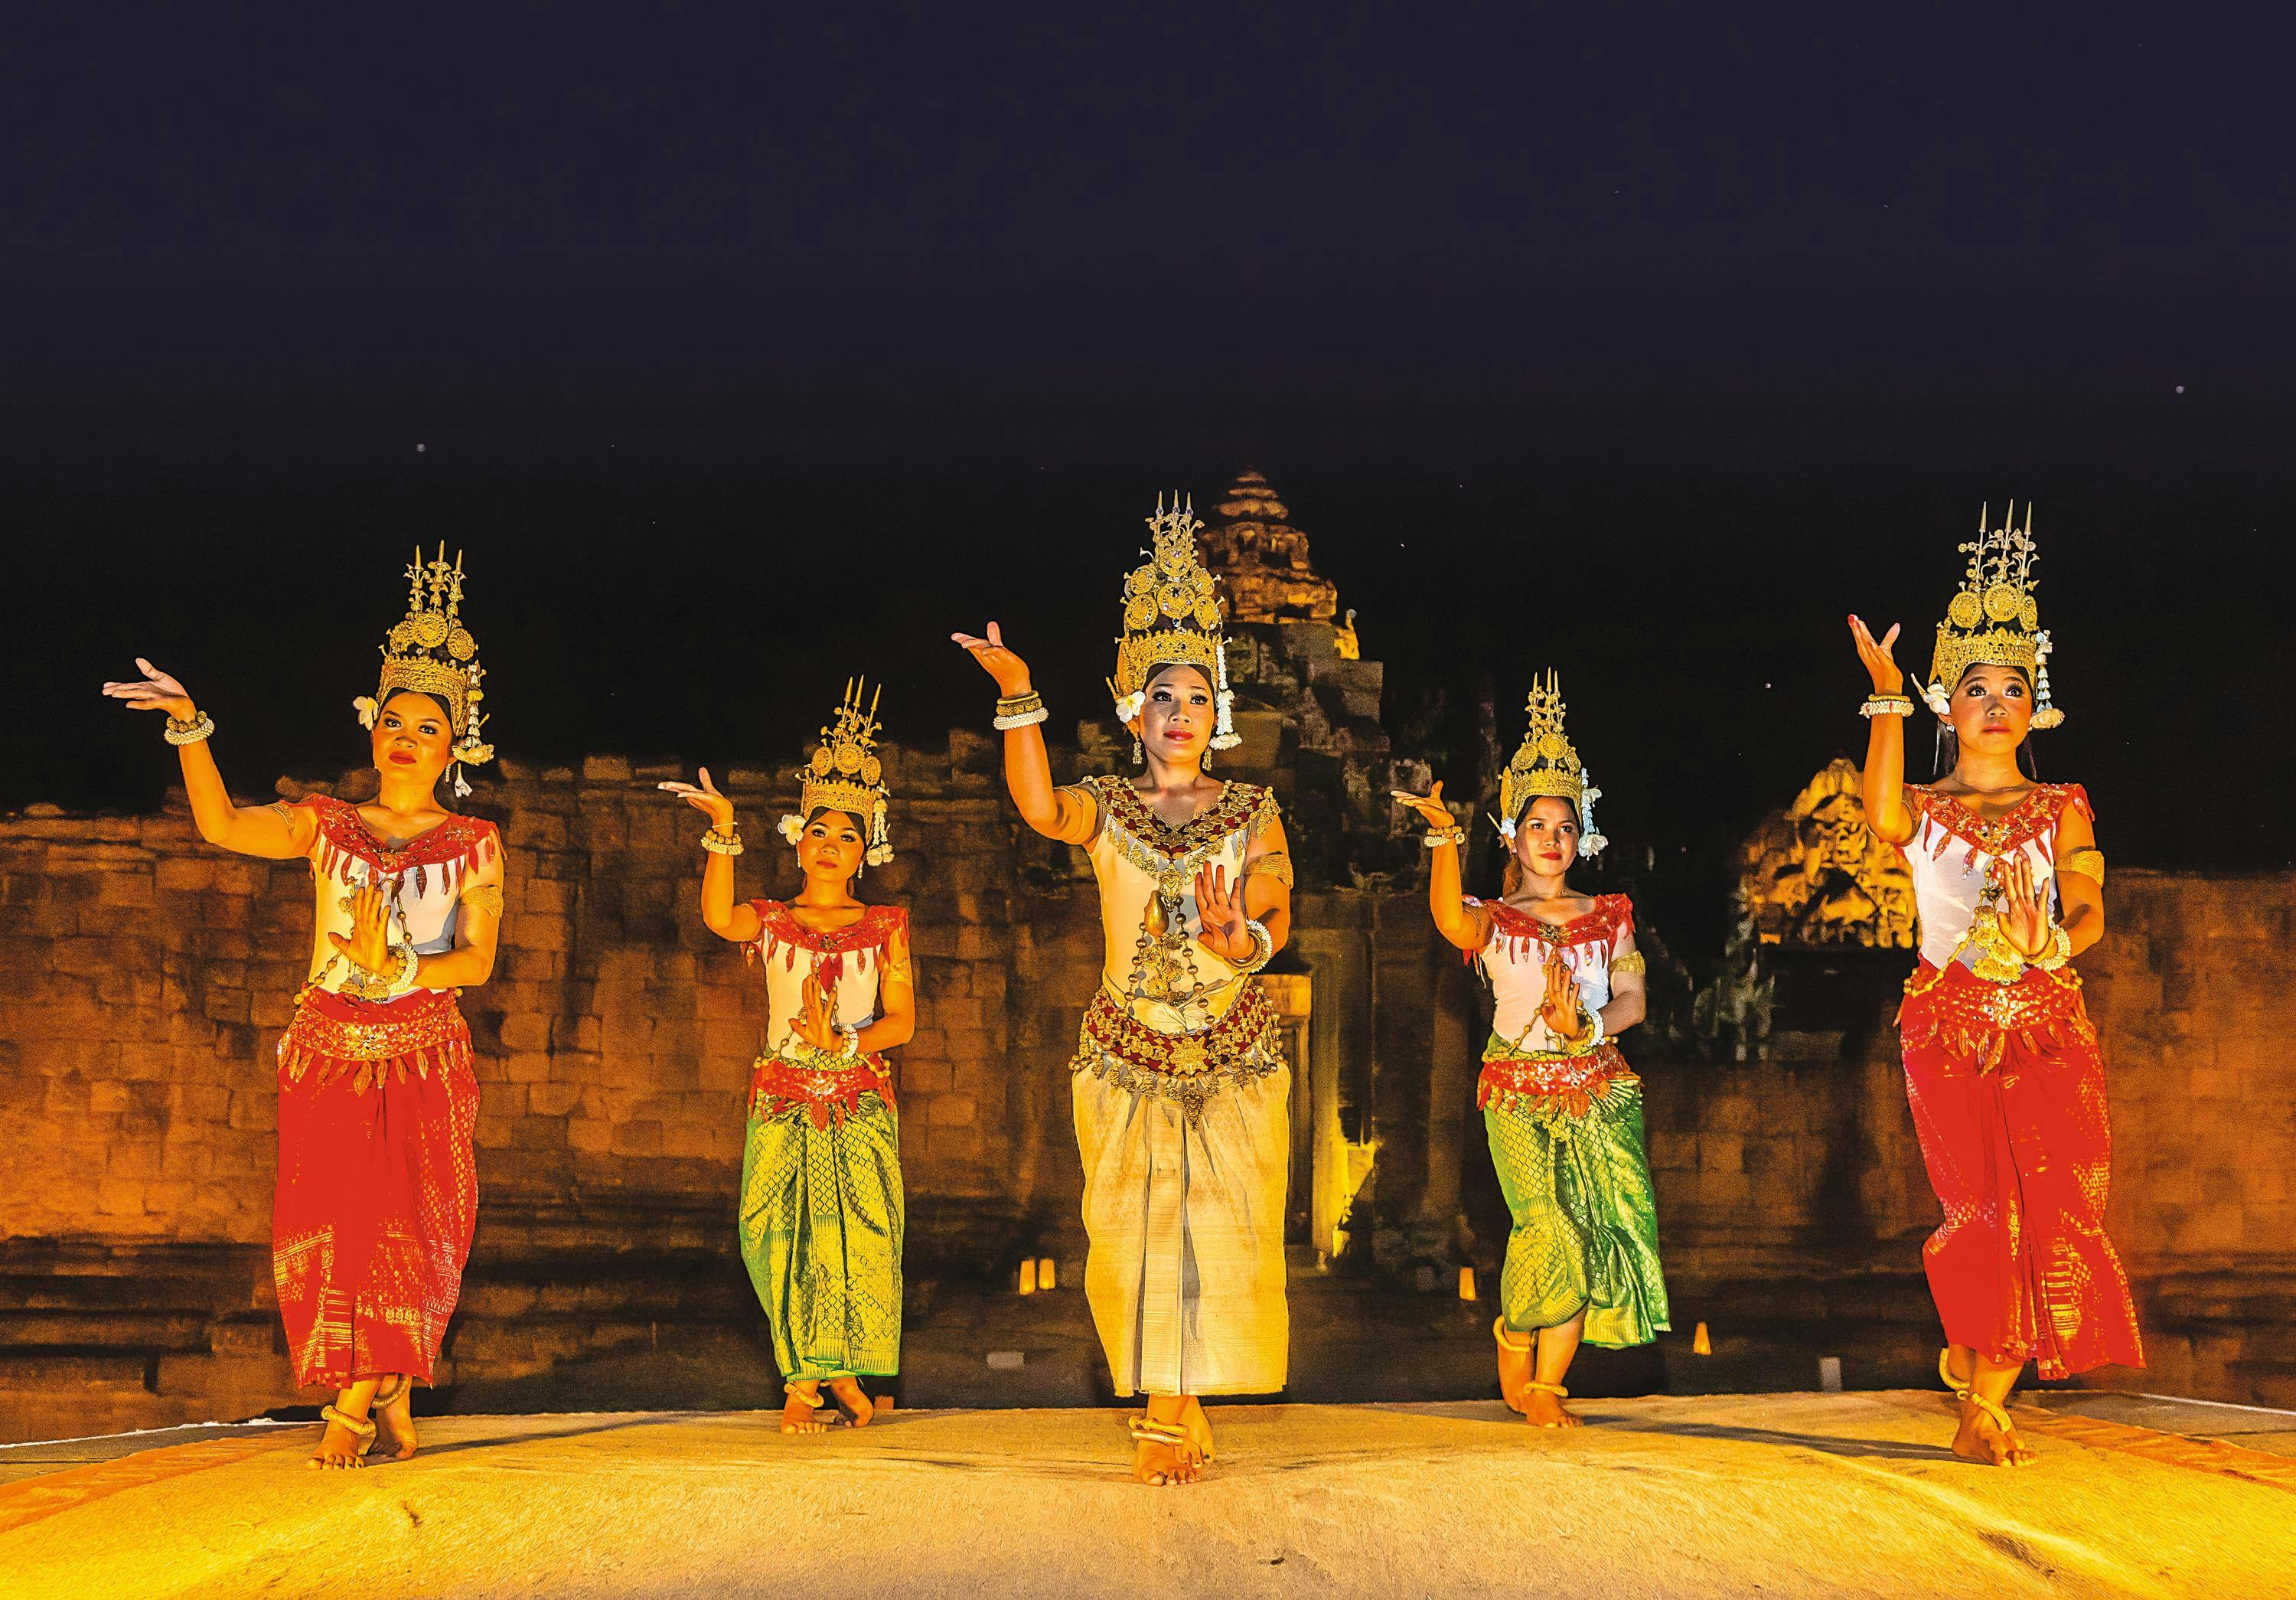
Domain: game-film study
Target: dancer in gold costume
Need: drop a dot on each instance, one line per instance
(377, 1193)
(2001, 1062)
(820, 1210)
(1562, 1110)
(1180, 1084)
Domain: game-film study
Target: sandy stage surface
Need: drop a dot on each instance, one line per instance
(1786, 1495)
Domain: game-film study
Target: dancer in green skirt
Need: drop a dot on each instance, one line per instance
(820, 1217)
(1563, 1111)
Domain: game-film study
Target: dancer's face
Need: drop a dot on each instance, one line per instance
(1992, 707)
(413, 737)
(829, 850)
(1176, 719)
(1547, 838)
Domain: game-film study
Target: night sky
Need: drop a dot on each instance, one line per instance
(741, 356)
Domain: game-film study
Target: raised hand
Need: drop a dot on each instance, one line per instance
(1010, 671)
(1888, 678)
(1429, 805)
(817, 1024)
(1559, 1008)
(368, 945)
(1219, 914)
(154, 692)
(2023, 907)
(704, 798)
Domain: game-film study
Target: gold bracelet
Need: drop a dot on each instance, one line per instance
(1887, 705)
(2061, 951)
(1019, 710)
(178, 732)
(1631, 961)
(727, 843)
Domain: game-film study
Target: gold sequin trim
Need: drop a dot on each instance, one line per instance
(486, 897)
(1275, 864)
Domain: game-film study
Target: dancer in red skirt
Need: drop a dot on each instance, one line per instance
(377, 1193)
(2002, 1064)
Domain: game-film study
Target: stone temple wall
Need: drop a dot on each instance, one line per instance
(145, 978)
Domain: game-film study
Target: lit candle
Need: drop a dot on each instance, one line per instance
(1028, 1277)
(1466, 1283)
(1045, 1272)
(1700, 1344)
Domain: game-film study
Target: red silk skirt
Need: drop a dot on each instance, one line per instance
(2008, 1088)
(378, 1191)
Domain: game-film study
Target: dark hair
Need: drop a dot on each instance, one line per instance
(860, 824)
(445, 710)
(1149, 681)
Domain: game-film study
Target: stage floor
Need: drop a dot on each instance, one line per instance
(1788, 1494)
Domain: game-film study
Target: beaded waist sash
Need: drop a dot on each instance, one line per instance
(1243, 1046)
(1573, 1082)
(375, 1040)
(1974, 1018)
(825, 1087)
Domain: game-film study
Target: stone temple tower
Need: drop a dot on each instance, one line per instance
(1261, 559)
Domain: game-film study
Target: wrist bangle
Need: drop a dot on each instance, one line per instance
(179, 731)
(1437, 838)
(402, 981)
(2060, 951)
(1887, 705)
(1263, 946)
(852, 1042)
(727, 843)
(1019, 710)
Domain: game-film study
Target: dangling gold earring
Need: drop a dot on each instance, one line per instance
(1136, 756)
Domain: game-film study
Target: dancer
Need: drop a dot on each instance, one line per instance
(377, 1193)
(2002, 1064)
(821, 1208)
(1562, 1109)
(1181, 1089)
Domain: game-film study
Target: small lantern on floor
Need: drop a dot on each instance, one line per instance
(1029, 1276)
(1700, 1344)
(1466, 1283)
(1045, 1275)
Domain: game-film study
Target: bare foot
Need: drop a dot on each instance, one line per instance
(1159, 1462)
(851, 1400)
(1515, 1373)
(1200, 1429)
(1985, 1441)
(797, 1416)
(339, 1446)
(394, 1420)
(1541, 1409)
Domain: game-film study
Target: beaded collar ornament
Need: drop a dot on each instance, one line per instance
(1171, 618)
(846, 775)
(432, 654)
(1547, 763)
(1993, 620)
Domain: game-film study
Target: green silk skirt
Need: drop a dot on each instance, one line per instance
(821, 1234)
(1585, 1230)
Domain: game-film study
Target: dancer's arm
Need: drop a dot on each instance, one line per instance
(897, 998)
(2080, 893)
(1884, 788)
(1629, 992)
(1063, 813)
(274, 832)
(1464, 925)
(720, 912)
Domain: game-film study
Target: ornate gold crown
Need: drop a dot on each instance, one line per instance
(845, 774)
(1547, 763)
(431, 652)
(1993, 620)
(1172, 617)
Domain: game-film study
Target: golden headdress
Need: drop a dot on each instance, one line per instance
(1547, 763)
(432, 654)
(845, 774)
(1993, 620)
(1172, 617)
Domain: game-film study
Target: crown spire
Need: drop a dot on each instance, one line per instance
(845, 773)
(431, 652)
(1993, 620)
(1547, 763)
(1172, 617)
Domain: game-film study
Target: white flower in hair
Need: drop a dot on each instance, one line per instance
(792, 825)
(1128, 706)
(369, 711)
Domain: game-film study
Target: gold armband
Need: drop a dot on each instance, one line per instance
(1631, 961)
(1275, 864)
(486, 897)
(2088, 863)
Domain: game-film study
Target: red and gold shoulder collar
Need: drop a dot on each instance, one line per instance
(778, 927)
(2034, 817)
(456, 847)
(1515, 930)
(1133, 825)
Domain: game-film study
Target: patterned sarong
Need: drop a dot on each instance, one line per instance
(378, 1193)
(820, 1226)
(2008, 1088)
(1566, 1136)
